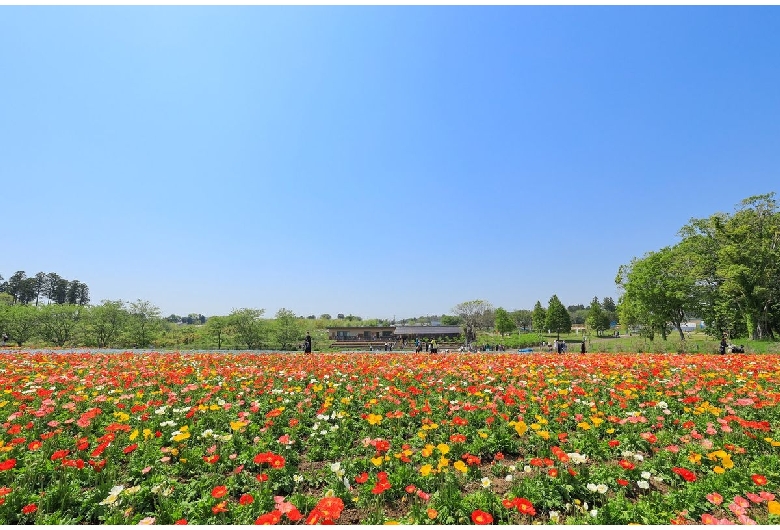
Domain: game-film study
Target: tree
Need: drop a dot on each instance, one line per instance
(104, 323)
(608, 305)
(325, 316)
(77, 293)
(50, 286)
(523, 318)
(59, 322)
(40, 282)
(249, 327)
(749, 262)
(15, 284)
(144, 322)
(503, 322)
(558, 319)
(539, 317)
(27, 291)
(473, 315)
(286, 328)
(19, 321)
(597, 319)
(218, 327)
(61, 291)
(659, 289)
(450, 320)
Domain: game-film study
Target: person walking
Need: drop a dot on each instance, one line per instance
(582, 347)
(307, 343)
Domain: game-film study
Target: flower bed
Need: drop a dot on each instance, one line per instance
(371, 438)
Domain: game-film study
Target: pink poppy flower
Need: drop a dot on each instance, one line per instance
(754, 497)
(744, 519)
(715, 498)
(741, 501)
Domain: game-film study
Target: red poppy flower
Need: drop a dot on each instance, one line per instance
(62, 453)
(525, 506)
(622, 482)
(277, 462)
(480, 517)
(294, 515)
(129, 449)
(181, 522)
(211, 459)
(269, 518)
(34, 445)
(327, 511)
(686, 474)
(362, 478)
(625, 464)
(219, 492)
(759, 480)
(5, 465)
(30, 508)
(219, 507)
(245, 499)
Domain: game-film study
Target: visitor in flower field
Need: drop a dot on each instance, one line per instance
(723, 345)
(307, 343)
(5, 338)
(582, 346)
(434, 346)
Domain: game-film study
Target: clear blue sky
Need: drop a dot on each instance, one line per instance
(380, 161)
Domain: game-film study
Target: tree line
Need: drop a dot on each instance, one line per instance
(120, 324)
(725, 270)
(43, 287)
(479, 315)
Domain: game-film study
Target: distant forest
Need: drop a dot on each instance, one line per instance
(50, 288)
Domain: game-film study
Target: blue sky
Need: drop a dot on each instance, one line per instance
(380, 161)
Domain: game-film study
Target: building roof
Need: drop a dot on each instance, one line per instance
(427, 330)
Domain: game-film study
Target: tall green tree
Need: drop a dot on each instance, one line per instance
(597, 319)
(104, 323)
(287, 329)
(558, 319)
(659, 290)
(144, 322)
(58, 323)
(539, 317)
(503, 322)
(218, 327)
(749, 262)
(15, 286)
(19, 322)
(249, 327)
(523, 318)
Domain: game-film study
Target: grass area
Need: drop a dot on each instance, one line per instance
(694, 343)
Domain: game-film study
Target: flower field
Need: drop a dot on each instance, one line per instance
(218, 438)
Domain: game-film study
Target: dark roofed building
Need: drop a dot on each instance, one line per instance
(411, 332)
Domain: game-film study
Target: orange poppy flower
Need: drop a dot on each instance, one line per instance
(219, 492)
